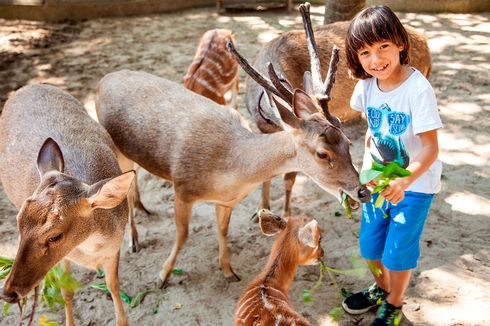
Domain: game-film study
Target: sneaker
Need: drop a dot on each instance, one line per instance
(360, 302)
(388, 315)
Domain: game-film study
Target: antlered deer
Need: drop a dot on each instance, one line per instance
(213, 72)
(210, 154)
(265, 301)
(289, 54)
(72, 202)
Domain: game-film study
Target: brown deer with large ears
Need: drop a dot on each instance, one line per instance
(265, 301)
(58, 166)
(291, 56)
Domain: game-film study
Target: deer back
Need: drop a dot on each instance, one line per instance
(289, 54)
(213, 71)
(57, 166)
(170, 131)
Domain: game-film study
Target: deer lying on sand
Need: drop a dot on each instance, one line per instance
(213, 72)
(72, 202)
(290, 56)
(265, 301)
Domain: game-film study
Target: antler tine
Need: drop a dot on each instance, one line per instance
(258, 77)
(312, 49)
(332, 71)
(287, 95)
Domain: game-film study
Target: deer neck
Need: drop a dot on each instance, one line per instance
(281, 267)
(264, 156)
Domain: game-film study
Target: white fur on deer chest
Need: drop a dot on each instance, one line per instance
(94, 250)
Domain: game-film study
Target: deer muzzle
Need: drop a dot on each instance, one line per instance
(9, 296)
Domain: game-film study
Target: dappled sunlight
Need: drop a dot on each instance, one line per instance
(457, 289)
(455, 149)
(469, 203)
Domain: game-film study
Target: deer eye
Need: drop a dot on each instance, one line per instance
(321, 155)
(55, 238)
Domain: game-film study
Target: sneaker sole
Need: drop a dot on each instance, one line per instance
(356, 312)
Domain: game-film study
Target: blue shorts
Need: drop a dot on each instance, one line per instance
(395, 239)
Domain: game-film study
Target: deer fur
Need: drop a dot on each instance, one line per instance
(210, 154)
(290, 57)
(266, 301)
(58, 167)
(213, 72)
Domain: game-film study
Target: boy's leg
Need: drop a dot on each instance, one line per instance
(398, 284)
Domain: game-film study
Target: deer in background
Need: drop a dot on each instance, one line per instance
(290, 56)
(213, 72)
(266, 301)
(210, 154)
(72, 202)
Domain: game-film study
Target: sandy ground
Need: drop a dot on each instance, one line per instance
(451, 285)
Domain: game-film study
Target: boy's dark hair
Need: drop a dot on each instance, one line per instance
(371, 25)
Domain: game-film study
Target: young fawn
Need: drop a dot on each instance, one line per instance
(265, 301)
(58, 167)
(213, 72)
(290, 56)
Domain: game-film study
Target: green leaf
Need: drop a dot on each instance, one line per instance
(100, 272)
(44, 322)
(103, 287)
(307, 295)
(335, 313)
(177, 271)
(379, 201)
(367, 176)
(377, 166)
(6, 307)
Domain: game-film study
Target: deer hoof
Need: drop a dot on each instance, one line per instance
(161, 284)
(255, 217)
(233, 278)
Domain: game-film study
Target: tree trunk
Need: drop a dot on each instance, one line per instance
(338, 10)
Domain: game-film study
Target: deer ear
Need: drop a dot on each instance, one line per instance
(271, 224)
(109, 193)
(303, 105)
(287, 116)
(50, 157)
(308, 234)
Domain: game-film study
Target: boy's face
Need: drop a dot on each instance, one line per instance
(381, 59)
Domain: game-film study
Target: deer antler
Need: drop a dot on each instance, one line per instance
(257, 76)
(321, 90)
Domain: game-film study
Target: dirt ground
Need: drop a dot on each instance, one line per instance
(451, 285)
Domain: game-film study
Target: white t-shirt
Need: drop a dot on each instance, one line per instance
(395, 118)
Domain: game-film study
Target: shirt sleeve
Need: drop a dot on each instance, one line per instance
(425, 116)
(358, 98)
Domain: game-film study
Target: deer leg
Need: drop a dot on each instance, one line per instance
(68, 297)
(111, 267)
(182, 216)
(138, 204)
(133, 243)
(289, 179)
(265, 200)
(223, 215)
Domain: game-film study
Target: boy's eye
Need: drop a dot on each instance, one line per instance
(384, 46)
(363, 53)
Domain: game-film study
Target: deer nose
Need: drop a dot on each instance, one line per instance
(364, 194)
(10, 297)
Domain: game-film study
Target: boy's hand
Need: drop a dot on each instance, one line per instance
(395, 191)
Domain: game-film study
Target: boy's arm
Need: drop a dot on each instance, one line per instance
(395, 192)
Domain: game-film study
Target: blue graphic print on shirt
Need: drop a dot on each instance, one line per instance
(386, 129)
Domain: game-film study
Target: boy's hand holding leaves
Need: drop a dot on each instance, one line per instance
(380, 177)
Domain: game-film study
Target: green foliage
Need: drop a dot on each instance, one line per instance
(346, 205)
(382, 175)
(50, 288)
(177, 271)
(44, 322)
(103, 287)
